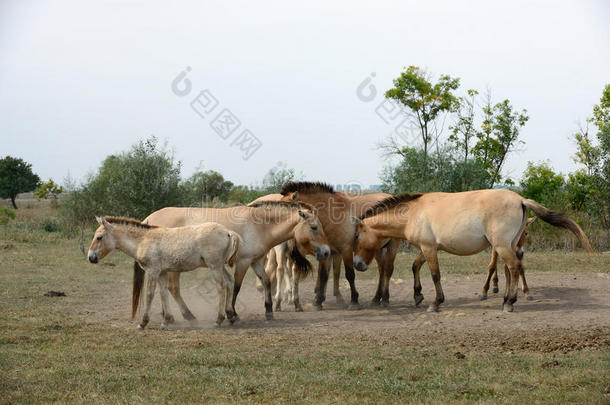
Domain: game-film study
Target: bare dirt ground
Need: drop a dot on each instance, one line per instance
(569, 312)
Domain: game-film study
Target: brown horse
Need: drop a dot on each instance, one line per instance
(336, 211)
(178, 249)
(458, 223)
(492, 269)
(260, 226)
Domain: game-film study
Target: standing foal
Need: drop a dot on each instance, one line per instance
(158, 250)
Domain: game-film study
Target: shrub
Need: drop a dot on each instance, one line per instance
(6, 214)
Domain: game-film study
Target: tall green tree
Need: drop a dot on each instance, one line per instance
(427, 100)
(16, 176)
(277, 176)
(206, 187)
(541, 183)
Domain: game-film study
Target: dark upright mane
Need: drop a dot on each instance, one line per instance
(129, 222)
(389, 203)
(286, 204)
(306, 187)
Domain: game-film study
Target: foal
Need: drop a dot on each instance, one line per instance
(158, 250)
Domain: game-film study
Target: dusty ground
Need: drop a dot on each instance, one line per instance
(569, 312)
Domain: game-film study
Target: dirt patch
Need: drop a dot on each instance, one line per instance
(55, 294)
(568, 312)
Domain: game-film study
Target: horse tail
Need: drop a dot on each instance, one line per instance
(301, 265)
(559, 219)
(138, 283)
(234, 244)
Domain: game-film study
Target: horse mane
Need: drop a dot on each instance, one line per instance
(389, 203)
(307, 187)
(129, 222)
(287, 204)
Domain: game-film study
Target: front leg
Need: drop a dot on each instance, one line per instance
(259, 268)
(491, 272)
(174, 288)
(167, 316)
(320, 289)
(430, 254)
(348, 261)
(416, 267)
(336, 277)
(295, 290)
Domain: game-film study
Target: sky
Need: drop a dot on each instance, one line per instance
(80, 80)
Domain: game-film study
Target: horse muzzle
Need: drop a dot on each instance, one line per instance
(360, 264)
(93, 258)
(322, 252)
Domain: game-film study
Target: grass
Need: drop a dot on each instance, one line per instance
(82, 348)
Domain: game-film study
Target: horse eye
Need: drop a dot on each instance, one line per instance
(356, 237)
(314, 228)
(99, 238)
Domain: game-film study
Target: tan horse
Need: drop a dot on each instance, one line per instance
(492, 269)
(458, 223)
(336, 211)
(261, 227)
(159, 250)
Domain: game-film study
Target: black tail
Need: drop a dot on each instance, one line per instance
(559, 219)
(301, 265)
(138, 283)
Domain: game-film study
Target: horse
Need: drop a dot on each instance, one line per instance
(336, 210)
(159, 250)
(261, 226)
(492, 268)
(458, 223)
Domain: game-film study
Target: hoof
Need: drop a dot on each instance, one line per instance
(385, 304)
(168, 320)
(418, 299)
(508, 308)
(495, 290)
(187, 316)
(234, 320)
(269, 316)
(432, 308)
(482, 297)
(339, 300)
(375, 302)
(354, 306)
(140, 327)
(163, 326)
(316, 307)
(298, 309)
(216, 325)
(530, 298)
(278, 307)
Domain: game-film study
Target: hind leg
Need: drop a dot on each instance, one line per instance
(258, 267)
(151, 284)
(387, 259)
(167, 316)
(512, 271)
(219, 277)
(491, 271)
(295, 291)
(321, 281)
(431, 257)
(240, 271)
(173, 283)
(228, 285)
(526, 290)
(419, 261)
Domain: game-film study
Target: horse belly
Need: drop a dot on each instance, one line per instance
(463, 243)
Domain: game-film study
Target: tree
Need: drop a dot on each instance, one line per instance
(16, 177)
(133, 183)
(427, 100)
(277, 176)
(49, 189)
(541, 183)
(206, 186)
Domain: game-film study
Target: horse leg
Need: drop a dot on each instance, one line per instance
(417, 263)
(431, 257)
(259, 269)
(295, 292)
(288, 277)
(376, 301)
(336, 277)
(167, 316)
(322, 280)
(240, 271)
(348, 262)
(526, 290)
(173, 278)
(228, 285)
(218, 272)
(388, 256)
(280, 270)
(491, 271)
(151, 284)
(512, 270)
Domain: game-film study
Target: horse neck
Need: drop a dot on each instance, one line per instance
(389, 224)
(128, 239)
(277, 225)
(331, 209)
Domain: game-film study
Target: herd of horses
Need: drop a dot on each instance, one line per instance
(275, 233)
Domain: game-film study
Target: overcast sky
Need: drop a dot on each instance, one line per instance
(80, 80)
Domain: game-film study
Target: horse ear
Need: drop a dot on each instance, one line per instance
(106, 224)
(356, 221)
(99, 219)
(295, 195)
(530, 220)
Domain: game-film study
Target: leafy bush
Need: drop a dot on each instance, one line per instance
(50, 225)
(6, 214)
(204, 187)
